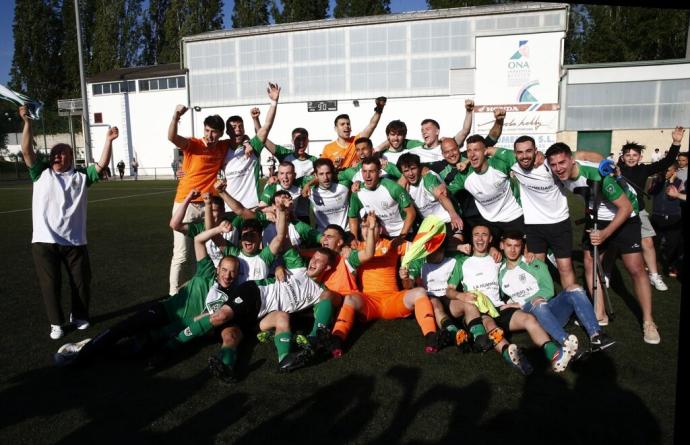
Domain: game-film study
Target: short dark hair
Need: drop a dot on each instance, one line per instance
(340, 116)
(300, 131)
(524, 138)
(632, 146)
(514, 235)
(364, 140)
(683, 154)
(234, 118)
(278, 194)
(59, 148)
(252, 225)
(396, 126)
(324, 161)
(287, 164)
(372, 160)
(558, 148)
(215, 122)
(475, 138)
(431, 121)
(408, 160)
(217, 200)
(331, 254)
(337, 228)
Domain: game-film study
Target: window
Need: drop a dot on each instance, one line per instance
(143, 85)
(131, 86)
(98, 118)
(97, 89)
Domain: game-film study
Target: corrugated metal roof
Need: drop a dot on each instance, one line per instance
(138, 72)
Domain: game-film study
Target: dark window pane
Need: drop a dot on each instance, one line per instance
(143, 85)
(97, 89)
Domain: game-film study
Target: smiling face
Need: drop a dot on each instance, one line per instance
(561, 165)
(286, 176)
(324, 175)
(61, 158)
(235, 130)
(450, 151)
(481, 239)
(526, 154)
(226, 271)
(476, 154)
(211, 135)
(370, 174)
(332, 239)
(430, 134)
(395, 139)
(631, 158)
(250, 242)
(411, 173)
(318, 265)
(363, 150)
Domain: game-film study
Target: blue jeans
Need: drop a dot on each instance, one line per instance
(555, 313)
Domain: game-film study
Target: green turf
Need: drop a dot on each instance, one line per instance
(383, 390)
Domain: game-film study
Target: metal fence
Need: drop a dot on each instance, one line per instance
(17, 170)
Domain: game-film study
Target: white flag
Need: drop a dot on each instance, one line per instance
(34, 107)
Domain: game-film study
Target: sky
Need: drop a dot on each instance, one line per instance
(7, 17)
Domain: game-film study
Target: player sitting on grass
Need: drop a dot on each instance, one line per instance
(168, 317)
(381, 298)
(480, 273)
(530, 285)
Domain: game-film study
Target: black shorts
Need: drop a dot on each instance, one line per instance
(245, 302)
(557, 236)
(504, 317)
(627, 239)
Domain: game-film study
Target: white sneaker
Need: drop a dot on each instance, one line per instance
(80, 324)
(651, 333)
(657, 282)
(56, 332)
(68, 352)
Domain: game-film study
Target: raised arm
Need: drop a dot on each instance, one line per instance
(273, 94)
(201, 239)
(466, 124)
(497, 128)
(179, 141)
(281, 228)
(234, 204)
(374, 121)
(270, 146)
(112, 134)
(176, 222)
(27, 138)
(369, 239)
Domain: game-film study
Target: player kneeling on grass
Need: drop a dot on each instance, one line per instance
(530, 285)
(166, 318)
(270, 301)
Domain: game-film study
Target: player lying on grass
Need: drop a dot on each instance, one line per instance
(530, 285)
(164, 319)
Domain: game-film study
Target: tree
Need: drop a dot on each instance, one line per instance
(360, 8)
(153, 31)
(250, 13)
(187, 17)
(300, 10)
(116, 34)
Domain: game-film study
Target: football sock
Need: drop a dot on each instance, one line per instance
(344, 322)
(282, 342)
(227, 355)
(195, 329)
(448, 325)
(506, 356)
(424, 313)
(551, 349)
(323, 311)
(476, 327)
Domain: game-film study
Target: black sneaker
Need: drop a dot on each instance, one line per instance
(294, 361)
(218, 369)
(601, 341)
(445, 338)
(482, 343)
(431, 343)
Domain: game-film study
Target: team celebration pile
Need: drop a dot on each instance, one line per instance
(473, 241)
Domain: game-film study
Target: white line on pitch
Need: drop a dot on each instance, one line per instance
(99, 200)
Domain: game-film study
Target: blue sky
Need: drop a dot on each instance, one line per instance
(7, 17)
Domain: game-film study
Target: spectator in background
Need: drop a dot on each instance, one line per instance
(666, 219)
(175, 165)
(134, 165)
(656, 156)
(121, 168)
(682, 172)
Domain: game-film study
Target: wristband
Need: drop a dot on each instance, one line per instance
(378, 110)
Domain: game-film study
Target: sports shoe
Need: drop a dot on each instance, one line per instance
(336, 347)
(294, 361)
(56, 332)
(431, 343)
(651, 334)
(79, 324)
(264, 336)
(445, 338)
(218, 369)
(657, 282)
(482, 343)
(518, 359)
(601, 341)
(673, 272)
(569, 349)
(603, 321)
(496, 335)
(68, 352)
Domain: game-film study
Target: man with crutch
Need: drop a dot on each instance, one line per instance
(617, 226)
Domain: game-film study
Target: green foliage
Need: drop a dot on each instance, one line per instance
(187, 17)
(152, 31)
(117, 35)
(360, 8)
(250, 13)
(300, 10)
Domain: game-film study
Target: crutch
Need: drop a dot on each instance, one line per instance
(596, 262)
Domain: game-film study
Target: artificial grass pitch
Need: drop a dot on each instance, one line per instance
(384, 389)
